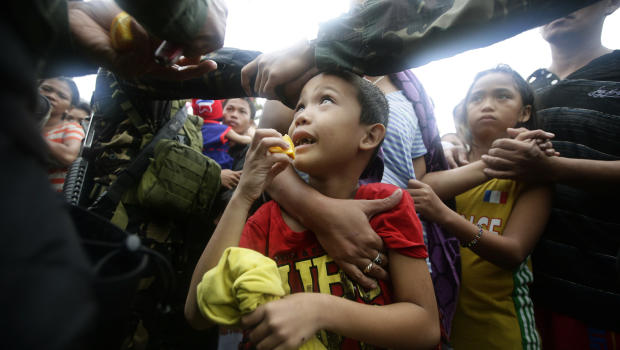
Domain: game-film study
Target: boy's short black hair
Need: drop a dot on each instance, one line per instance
(250, 102)
(374, 105)
(374, 110)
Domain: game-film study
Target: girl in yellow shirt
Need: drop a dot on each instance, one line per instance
(497, 221)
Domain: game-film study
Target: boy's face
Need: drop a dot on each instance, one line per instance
(236, 114)
(326, 127)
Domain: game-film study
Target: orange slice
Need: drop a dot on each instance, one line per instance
(290, 151)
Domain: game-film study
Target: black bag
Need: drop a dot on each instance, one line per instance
(119, 261)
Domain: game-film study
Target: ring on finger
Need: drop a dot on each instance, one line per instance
(368, 267)
(378, 260)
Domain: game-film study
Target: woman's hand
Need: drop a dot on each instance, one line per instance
(426, 201)
(286, 323)
(261, 166)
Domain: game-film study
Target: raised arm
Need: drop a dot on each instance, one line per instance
(259, 169)
(391, 36)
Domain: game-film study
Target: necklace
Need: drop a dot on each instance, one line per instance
(374, 82)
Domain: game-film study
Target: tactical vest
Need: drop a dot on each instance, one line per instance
(168, 206)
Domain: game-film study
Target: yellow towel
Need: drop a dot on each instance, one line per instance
(241, 281)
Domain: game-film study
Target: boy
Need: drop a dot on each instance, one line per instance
(338, 125)
(216, 135)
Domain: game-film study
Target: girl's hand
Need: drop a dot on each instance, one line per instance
(286, 323)
(426, 201)
(261, 166)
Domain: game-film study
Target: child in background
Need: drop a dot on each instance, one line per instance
(497, 221)
(338, 125)
(64, 138)
(215, 135)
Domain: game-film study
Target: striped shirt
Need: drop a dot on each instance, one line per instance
(61, 134)
(403, 141)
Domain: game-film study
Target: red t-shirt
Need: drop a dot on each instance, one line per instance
(303, 261)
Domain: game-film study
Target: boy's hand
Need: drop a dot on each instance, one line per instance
(261, 166)
(229, 178)
(275, 326)
(426, 201)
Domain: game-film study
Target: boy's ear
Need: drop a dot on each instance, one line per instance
(526, 114)
(373, 136)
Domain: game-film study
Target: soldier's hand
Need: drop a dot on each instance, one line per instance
(90, 25)
(280, 75)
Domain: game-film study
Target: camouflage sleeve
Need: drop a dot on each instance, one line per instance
(225, 82)
(180, 20)
(388, 36)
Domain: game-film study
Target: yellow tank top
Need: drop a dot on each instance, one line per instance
(494, 310)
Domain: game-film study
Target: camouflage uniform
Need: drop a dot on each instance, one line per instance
(120, 135)
(391, 36)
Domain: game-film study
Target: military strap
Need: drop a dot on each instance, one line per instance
(126, 105)
(108, 200)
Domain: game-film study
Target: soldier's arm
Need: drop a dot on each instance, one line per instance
(384, 37)
(225, 82)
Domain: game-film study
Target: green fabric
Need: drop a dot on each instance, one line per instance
(178, 21)
(390, 36)
(242, 280)
(180, 181)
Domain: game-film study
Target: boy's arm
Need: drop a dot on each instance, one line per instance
(388, 326)
(233, 136)
(260, 167)
(341, 226)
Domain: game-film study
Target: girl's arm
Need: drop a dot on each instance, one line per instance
(524, 226)
(449, 183)
(233, 136)
(412, 322)
(260, 167)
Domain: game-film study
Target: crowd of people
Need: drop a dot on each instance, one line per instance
(134, 222)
